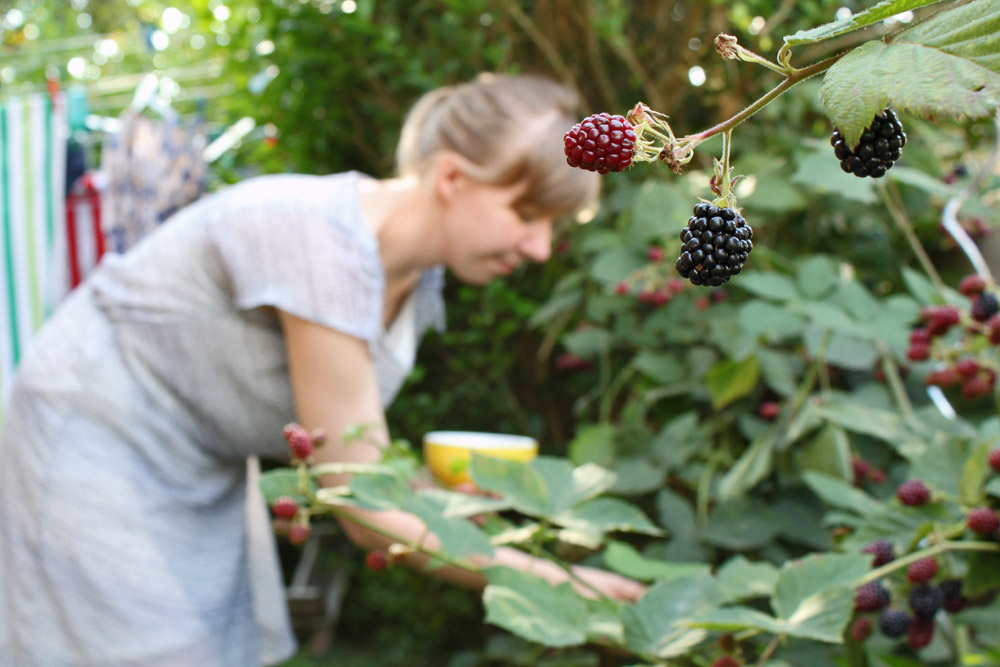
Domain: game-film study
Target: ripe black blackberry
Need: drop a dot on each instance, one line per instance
(894, 623)
(876, 151)
(925, 600)
(882, 550)
(602, 143)
(985, 306)
(716, 244)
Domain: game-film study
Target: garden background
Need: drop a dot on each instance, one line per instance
(601, 354)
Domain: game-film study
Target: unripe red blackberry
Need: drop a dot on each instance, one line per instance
(716, 243)
(601, 143)
(913, 492)
(920, 633)
(285, 507)
(298, 533)
(894, 623)
(925, 600)
(944, 377)
(861, 629)
(976, 386)
(971, 284)
(769, 410)
(922, 571)
(376, 560)
(725, 661)
(918, 351)
(920, 336)
(872, 596)
(882, 550)
(877, 149)
(985, 307)
(299, 440)
(951, 590)
(994, 459)
(983, 520)
(967, 367)
(945, 317)
(993, 329)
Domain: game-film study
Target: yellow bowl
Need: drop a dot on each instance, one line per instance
(447, 453)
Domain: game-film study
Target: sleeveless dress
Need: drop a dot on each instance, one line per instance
(124, 535)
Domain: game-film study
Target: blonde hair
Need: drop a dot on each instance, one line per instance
(507, 128)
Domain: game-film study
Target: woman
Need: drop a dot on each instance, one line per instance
(123, 531)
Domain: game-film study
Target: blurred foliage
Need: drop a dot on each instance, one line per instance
(667, 396)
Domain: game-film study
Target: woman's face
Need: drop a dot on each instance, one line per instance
(488, 232)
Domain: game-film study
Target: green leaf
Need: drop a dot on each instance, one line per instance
(983, 574)
(739, 579)
(817, 593)
(532, 608)
(779, 370)
(543, 487)
(730, 380)
(603, 515)
(616, 264)
(993, 487)
(624, 559)
(829, 453)
(759, 318)
(946, 66)
(281, 482)
(588, 343)
(922, 289)
(843, 350)
(660, 209)
(970, 486)
(839, 493)
(817, 276)
(815, 170)
(769, 286)
(753, 465)
(675, 513)
(461, 505)
(594, 443)
(740, 524)
(859, 418)
(459, 537)
(920, 180)
(653, 626)
(637, 475)
(732, 619)
(663, 368)
(555, 306)
(879, 12)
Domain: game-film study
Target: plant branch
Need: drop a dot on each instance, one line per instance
(903, 222)
(941, 548)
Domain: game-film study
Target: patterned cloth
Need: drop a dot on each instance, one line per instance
(122, 524)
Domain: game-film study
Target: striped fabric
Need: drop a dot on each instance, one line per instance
(33, 270)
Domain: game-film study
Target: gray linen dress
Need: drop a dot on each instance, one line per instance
(123, 459)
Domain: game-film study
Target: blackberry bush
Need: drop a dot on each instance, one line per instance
(876, 151)
(716, 243)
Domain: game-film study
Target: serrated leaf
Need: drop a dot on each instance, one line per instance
(594, 443)
(542, 487)
(802, 579)
(603, 515)
(829, 453)
(739, 579)
(281, 482)
(839, 493)
(879, 12)
(817, 276)
(948, 65)
(624, 559)
(740, 524)
(654, 624)
(533, 609)
(769, 286)
(754, 464)
(759, 318)
(779, 370)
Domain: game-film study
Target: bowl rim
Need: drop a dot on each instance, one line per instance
(479, 440)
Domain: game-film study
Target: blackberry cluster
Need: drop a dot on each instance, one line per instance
(877, 150)
(925, 600)
(716, 244)
(600, 143)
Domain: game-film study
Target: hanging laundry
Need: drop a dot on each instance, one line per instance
(153, 168)
(33, 270)
(84, 234)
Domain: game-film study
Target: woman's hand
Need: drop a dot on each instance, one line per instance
(615, 586)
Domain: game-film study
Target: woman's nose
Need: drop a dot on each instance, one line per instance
(537, 245)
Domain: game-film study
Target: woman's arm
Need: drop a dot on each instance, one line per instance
(334, 386)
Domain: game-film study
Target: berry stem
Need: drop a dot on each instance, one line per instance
(898, 213)
(941, 548)
(793, 77)
(772, 646)
(891, 371)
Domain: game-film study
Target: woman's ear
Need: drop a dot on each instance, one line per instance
(449, 176)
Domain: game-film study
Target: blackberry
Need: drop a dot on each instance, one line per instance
(873, 596)
(983, 520)
(883, 551)
(922, 571)
(717, 241)
(985, 307)
(600, 143)
(876, 151)
(994, 459)
(894, 623)
(951, 591)
(925, 600)
(913, 492)
(861, 629)
(921, 633)
(285, 507)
